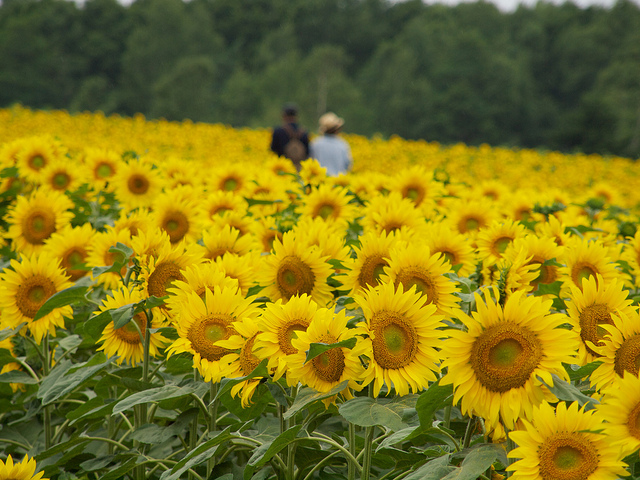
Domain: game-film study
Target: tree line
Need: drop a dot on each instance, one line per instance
(549, 76)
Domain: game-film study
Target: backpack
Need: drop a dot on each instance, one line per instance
(295, 150)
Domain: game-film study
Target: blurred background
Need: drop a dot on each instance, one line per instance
(562, 76)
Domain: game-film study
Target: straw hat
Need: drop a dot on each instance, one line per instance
(330, 122)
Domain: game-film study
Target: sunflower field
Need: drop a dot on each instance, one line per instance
(177, 302)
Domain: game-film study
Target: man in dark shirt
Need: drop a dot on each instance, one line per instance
(288, 130)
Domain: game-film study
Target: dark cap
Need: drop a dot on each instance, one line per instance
(290, 109)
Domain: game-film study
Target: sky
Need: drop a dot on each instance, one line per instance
(511, 5)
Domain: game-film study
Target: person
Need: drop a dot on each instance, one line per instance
(331, 151)
(289, 139)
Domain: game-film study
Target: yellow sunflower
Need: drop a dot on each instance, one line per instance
(586, 259)
(295, 269)
(416, 183)
(631, 255)
(332, 367)
(25, 470)
(242, 361)
(540, 250)
(279, 324)
(371, 258)
(329, 203)
(127, 343)
(33, 219)
(137, 184)
(619, 349)
(512, 273)
(401, 334)
(327, 236)
(178, 216)
(70, 246)
(237, 220)
(226, 240)
(241, 268)
(280, 166)
(220, 201)
(620, 405)
(497, 364)
(493, 240)
(35, 155)
(98, 255)
(391, 213)
(63, 175)
(311, 172)
(415, 266)
(564, 445)
(231, 177)
(265, 231)
(590, 309)
(468, 217)
(555, 229)
(203, 322)
(452, 246)
(25, 287)
(103, 165)
(135, 222)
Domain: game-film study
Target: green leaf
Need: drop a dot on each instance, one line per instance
(60, 299)
(581, 372)
(119, 472)
(16, 376)
(10, 332)
(316, 349)
(432, 400)
(268, 450)
(386, 412)
(122, 315)
(434, 470)
(548, 289)
(307, 396)
(153, 434)
(567, 392)
(158, 394)
(72, 376)
(200, 454)
(94, 326)
(94, 408)
(252, 201)
(337, 264)
(477, 461)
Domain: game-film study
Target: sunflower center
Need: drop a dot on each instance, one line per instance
(500, 245)
(294, 277)
(219, 210)
(206, 331)
(32, 293)
(423, 282)
(633, 422)
(567, 456)
(230, 184)
(103, 170)
(287, 332)
(371, 269)
(590, 320)
(73, 258)
(450, 256)
(582, 271)
(129, 333)
(414, 193)
(504, 356)
(163, 277)
(324, 210)
(468, 223)
(37, 162)
(138, 184)
(38, 226)
(176, 224)
(248, 361)
(546, 275)
(627, 357)
(329, 365)
(395, 342)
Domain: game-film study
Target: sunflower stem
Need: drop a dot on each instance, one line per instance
(213, 419)
(467, 433)
(510, 446)
(46, 368)
(447, 416)
(352, 450)
(193, 433)
(368, 446)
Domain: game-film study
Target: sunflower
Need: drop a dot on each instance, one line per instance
(7, 344)
(564, 445)
(135, 222)
(33, 219)
(390, 214)
(220, 202)
(36, 154)
(452, 246)
(240, 221)
(539, 250)
(98, 254)
(620, 405)
(327, 236)
(63, 175)
(25, 470)
(295, 269)
(127, 343)
(498, 363)
(371, 258)
(312, 173)
(619, 349)
(590, 309)
(178, 216)
(555, 229)
(468, 217)
(415, 266)
(330, 368)
(203, 322)
(241, 268)
(137, 184)
(329, 203)
(25, 288)
(266, 187)
(265, 231)
(70, 246)
(586, 259)
(180, 172)
(631, 255)
(280, 323)
(231, 177)
(103, 165)
(280, 166)
(494, 239)
(416, 183)
(226, 240)
(242, 361)
(401, 333)
(512, 273)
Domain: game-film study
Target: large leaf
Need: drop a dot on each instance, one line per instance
(158, 394)
(16, 376)
(477, 461)
(268, 450)
(387, 412)
(316, 349)
(197, 456)
(153, 434)
(68, 296)
(434, 470)
(307, 396)
(432, 400)
(567, 392)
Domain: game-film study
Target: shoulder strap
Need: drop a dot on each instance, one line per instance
(293, 133)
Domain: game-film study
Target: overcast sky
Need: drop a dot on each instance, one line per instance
(510, 5)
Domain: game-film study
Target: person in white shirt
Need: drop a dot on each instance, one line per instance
(331, 151)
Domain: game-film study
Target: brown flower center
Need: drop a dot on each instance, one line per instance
(424, 283)
(32, 294)
(294, 277)
(287, 332)
(138, 184)
(329, 365)
(176, 224)
(372, 268)
(567, 456)
(206, 331)
(627, 358)
(38, 225)
(590, 320)
(396, 341)
(163, 277)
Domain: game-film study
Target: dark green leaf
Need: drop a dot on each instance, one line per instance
(477, 461)
(434, 470)
(94, 326)
(387, 412)
(432, 400)
(154, 434)
(316, 349)
(119, 472)
(548, 289)
(252, 201)
(268, 450)
(10, 332)
(158, 394)
(581, 372)
(122, 315)
(307, 396)
(65, 297)
(567, 392)
(16, 376)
